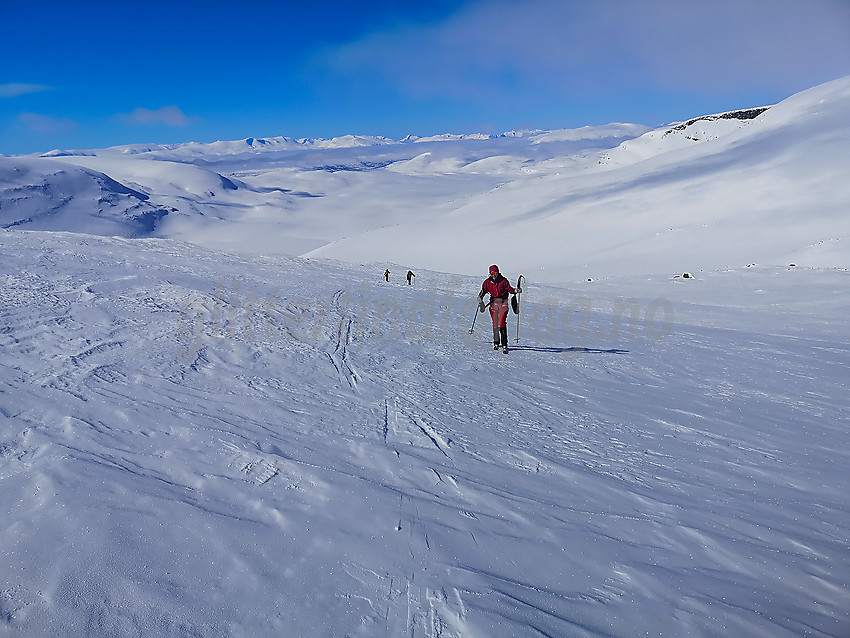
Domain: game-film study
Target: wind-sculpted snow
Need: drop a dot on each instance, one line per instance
(197, 443)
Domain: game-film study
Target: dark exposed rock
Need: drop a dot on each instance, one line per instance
(744, 114)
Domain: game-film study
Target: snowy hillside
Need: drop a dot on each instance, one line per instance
(761, 185)
(193, 443)
(714, 193)
(282, 196)
(38, 195)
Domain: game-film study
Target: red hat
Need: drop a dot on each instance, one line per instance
(494, 268)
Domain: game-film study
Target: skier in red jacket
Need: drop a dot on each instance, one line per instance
(498, 288)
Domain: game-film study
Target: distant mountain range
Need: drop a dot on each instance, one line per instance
(281, 143)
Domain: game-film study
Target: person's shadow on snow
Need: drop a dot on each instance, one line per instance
(572, 349)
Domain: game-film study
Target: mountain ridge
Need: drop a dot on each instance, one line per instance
(273, 143)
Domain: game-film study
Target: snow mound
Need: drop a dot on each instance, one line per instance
(52, 196)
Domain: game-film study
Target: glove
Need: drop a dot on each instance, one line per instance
(518, 290)
(481, 306)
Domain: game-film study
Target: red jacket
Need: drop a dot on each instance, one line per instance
(500, 288)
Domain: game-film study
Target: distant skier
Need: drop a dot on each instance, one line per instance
(410, 276)
(387, 274)
(498, 288)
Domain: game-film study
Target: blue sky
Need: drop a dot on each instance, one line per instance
(95, 74)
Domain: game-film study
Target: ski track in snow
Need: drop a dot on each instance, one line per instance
(193, 443)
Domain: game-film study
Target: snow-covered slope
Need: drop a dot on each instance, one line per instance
(39, 195)
(281, 196)
(199, 444)
(713, 193)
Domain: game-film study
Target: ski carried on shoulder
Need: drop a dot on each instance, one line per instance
(515, 304)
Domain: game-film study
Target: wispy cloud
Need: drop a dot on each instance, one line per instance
(44, 125)
(166, 115)
(567, 48)
(16, 89)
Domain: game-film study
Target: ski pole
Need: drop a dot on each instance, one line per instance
(472, 329)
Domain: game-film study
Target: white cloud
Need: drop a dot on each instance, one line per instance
(16, 89)
(44, 125)
(564, 48)
(166, 115)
